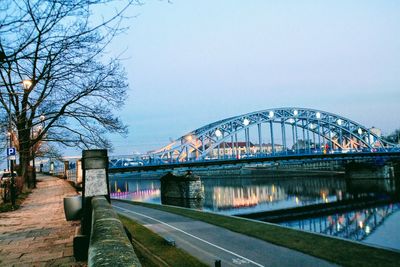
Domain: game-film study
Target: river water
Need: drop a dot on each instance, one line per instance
(232, 195)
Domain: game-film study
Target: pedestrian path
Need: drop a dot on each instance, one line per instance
(37, 234)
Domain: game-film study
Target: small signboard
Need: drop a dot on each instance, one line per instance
(11, 152)
(95, 182)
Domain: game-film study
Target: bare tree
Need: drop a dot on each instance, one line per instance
(71, 90)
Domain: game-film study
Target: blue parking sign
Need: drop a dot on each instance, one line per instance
(11, 151)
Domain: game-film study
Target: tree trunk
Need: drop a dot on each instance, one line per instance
(24, 168)
(24, 157)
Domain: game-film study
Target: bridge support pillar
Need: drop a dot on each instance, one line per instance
(186, 190)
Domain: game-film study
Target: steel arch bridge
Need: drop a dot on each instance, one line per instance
(288, 130)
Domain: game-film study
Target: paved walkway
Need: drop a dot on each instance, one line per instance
(37, 234)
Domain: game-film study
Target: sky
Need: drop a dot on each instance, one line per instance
(190, 63)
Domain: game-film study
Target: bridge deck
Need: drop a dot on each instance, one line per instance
(278, 158)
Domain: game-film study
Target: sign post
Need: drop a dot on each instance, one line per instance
(11, 154)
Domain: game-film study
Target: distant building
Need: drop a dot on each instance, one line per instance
(233, 149)
(376, 131)
(267, 148)
(239, 149)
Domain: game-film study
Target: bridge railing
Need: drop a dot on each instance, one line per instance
(292, 152)
(122, 162)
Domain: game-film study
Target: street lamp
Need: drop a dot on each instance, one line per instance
(27, 84)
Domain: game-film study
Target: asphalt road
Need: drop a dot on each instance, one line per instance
(209, 242)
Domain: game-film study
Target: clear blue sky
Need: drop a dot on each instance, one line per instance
(190, 63)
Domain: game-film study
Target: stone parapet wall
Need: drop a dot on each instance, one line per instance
(109, 244)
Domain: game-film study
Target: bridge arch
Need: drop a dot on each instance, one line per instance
(289, 130)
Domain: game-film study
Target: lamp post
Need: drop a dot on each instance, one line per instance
(33, 162)
(12, 180)
(27, 86)
(7, 142)
(42, 117)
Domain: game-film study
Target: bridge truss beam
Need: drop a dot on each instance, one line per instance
(307, 130)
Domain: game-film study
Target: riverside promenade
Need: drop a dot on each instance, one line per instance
(37, 234)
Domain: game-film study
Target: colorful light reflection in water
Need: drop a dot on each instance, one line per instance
(360, 225)
(248, 195)
(233, 196)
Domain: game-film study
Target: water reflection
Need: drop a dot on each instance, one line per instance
(248, 195)
(135, 190)
(374, 186)
(355, 225)
(241, 194)
(233, 196)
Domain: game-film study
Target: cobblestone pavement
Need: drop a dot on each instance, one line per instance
(37, 234)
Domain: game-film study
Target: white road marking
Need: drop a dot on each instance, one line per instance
(186, 233)
(239, 261)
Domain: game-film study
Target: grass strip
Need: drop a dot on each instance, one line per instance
(156, 245)
(335, 250)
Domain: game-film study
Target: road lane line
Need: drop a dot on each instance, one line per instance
(193, 236)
